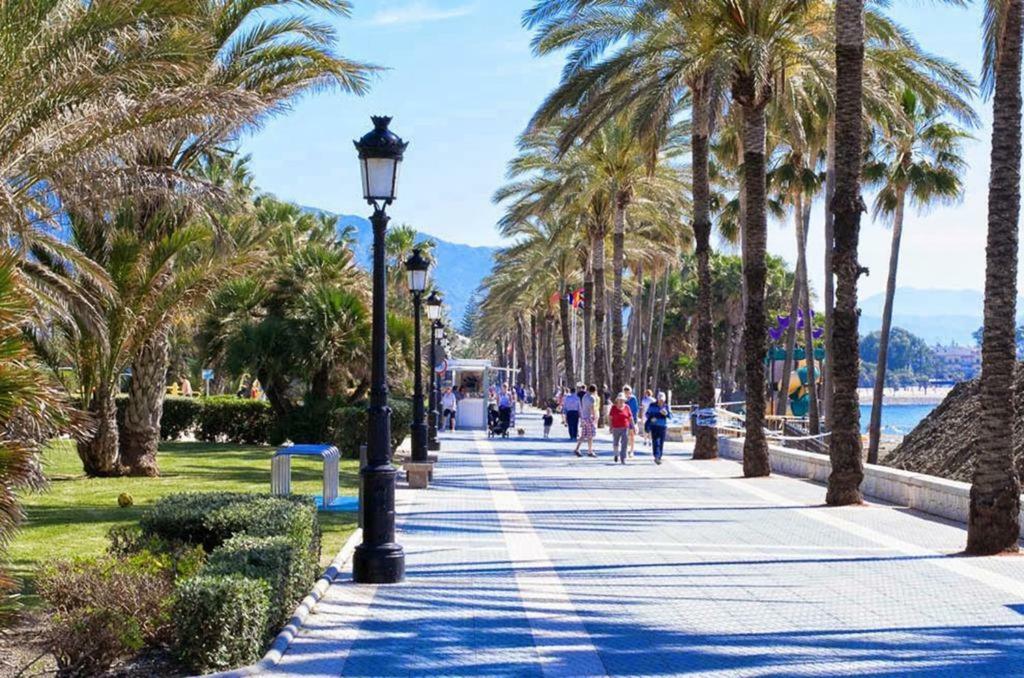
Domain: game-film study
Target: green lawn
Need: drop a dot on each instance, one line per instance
(72, 517)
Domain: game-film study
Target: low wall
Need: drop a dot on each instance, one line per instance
(948, 499)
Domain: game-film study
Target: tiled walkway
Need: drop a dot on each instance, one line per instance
(524, 560)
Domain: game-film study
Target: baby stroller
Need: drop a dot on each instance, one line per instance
(498, 421)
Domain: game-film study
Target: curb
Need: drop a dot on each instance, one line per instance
(287, 635)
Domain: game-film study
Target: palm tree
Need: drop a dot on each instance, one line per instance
(918, 159)
(31, 412)
(994, 522)
(267, 63)
(845, 445)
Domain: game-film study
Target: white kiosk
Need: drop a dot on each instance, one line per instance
(471, 380)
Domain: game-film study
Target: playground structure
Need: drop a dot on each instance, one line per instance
(797, 382)
(281, 475)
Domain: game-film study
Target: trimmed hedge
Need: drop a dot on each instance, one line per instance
(210, 519)
(235, 420)
(179, 417)
(289, 570)
(349, 426)
(221, 622)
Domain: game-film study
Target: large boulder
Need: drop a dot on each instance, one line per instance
(943, 443)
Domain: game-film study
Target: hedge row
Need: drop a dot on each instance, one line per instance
(264, 557)
(216, 419)
(246, 421)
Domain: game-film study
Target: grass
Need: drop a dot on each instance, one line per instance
(71, 518)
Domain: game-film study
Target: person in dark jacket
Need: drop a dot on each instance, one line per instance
(658, 416)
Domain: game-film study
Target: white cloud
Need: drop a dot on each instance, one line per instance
(418, 12)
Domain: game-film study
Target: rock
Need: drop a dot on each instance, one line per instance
(943, 443)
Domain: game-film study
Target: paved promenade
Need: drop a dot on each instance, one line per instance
(524, 560)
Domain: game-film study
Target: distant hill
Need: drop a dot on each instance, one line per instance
(460, 268)
(938, 316)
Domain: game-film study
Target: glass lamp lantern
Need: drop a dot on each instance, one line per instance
(417, 267)
(380, 158)
(434, 306)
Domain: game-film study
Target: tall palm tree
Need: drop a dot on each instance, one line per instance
(994, 522)
(845, 445)
(268, 62)
(917, 158)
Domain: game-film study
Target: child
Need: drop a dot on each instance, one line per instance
(621, 420)
(548, 420)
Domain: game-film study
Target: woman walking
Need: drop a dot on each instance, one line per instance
(645, 405)
(658, 415)
(634, 407)
(588, 421)
(621, 421)
(449, 405)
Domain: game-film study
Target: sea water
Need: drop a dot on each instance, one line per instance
(897, 419)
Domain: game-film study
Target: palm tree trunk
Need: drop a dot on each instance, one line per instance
(830, 285)
(994, 523)
(661, 333)
(875, 425)
(563, 308)
(645, 374)
(847, 205)
(618, 264)
(551, 364)
(706, 445)
(634, 343)
(600, 375)
(99, 452)
(755, 269)
(813, 416)
(140, 436)
(534, 364)
(521, 375)
(589, 361)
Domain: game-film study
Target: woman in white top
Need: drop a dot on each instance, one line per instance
(645, 405)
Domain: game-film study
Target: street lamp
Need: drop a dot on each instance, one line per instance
(416, 266)
(434, 315)
(379, 559)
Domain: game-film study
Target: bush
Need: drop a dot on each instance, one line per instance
(289, 569)
(221, 622)
(181, 559)
(210, 519)
(235, 420)
(349, 426)
(180, 416)
(105, 609)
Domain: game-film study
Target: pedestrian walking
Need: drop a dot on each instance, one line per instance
(549, 419)
(520, 397)
(621, 421)
(505, 402)
(658, 415)
(645, 404)
(634, 407)
(588, 421)
(449, 406)
(571, 412)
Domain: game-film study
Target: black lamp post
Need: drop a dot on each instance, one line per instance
(379, 559)
(434, 315)
(417, 268)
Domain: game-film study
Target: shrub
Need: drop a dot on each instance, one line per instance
(105, 609)
(235, 420)
(289, 569)
(221, 622)
(179, 417)
(212, 518)
(349, 426)
(182, 560)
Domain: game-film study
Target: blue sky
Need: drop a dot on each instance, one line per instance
(461, 86)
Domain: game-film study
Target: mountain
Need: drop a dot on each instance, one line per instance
(459, 270)
(938, 316)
